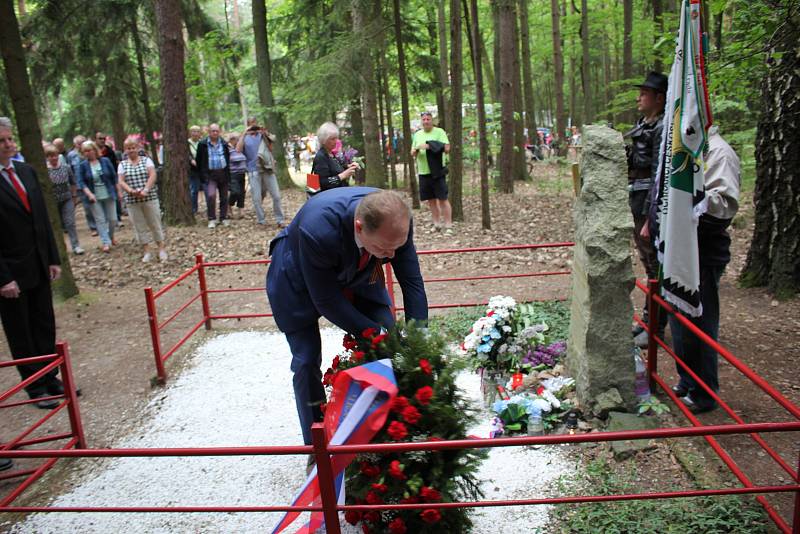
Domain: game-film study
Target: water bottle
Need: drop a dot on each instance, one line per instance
(641, 385)
(535, 425)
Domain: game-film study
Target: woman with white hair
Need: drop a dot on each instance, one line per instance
(326, 166)
(97, 178)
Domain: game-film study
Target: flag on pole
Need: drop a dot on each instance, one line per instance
(357, 410)
(680, 197)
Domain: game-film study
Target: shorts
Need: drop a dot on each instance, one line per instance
(430, 188)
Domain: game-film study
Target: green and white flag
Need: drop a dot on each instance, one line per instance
(681, 198)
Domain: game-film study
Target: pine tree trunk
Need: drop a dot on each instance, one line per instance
(497, 60)
(774, 256)
(486, 220)
(177, 207)
(30, 136)
(520, 167)
(389, 125)
(505, 12)
(456, 159)
(275, 121)
(558, 66)
(527, 74)
(444, 69)
(410, 177)
(149, 122)
(586, 78)
(376, 177)
(433, 49)
(490, 77)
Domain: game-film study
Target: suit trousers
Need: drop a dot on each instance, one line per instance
(30, 327)
(306, 348)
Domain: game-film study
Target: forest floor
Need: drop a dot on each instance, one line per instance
(106, 326)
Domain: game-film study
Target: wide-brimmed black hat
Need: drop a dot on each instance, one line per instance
(655, 81)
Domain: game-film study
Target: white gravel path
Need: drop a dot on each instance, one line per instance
(237, 392)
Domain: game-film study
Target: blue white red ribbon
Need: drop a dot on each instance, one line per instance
(356, 411)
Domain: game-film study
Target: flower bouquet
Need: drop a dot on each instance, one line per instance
(428, 407)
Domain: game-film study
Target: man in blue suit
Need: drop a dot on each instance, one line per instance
(328, 263)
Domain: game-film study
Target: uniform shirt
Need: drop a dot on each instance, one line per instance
(420, 137)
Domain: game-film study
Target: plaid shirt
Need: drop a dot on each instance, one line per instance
(216, 155)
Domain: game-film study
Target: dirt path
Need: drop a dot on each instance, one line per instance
(110, 344)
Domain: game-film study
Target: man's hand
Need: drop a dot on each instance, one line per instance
(424, 146)
(55, 272)
(414, 152)
(10, 290)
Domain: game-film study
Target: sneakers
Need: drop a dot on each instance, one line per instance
(226, 222)
(147, 257)
(162, 255)
(78, 250)
(212, 224)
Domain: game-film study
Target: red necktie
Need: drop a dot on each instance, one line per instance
(23, 196)
(363, 260)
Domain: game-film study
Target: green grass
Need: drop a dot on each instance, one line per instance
(709, 515)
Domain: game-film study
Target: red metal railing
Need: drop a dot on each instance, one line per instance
(200, 269)
(69, 403)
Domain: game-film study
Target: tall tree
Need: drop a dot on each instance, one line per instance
(558, 67)
(505, 35)
(363, 25)
(586, 78)
(275, 120)
(520, 167)
(527, 74)
(627, 47)
(444, 69)
(456, 161)
(149, 122)
(169, 19)
(389, 125)
(411, 178)
(440, 74)
(486, 220)
(774, 256)
(30, 136)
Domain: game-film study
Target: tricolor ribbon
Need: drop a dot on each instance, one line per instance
(356, 411)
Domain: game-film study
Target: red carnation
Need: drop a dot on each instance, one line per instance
(399, 404)
(364, 528)
(358, 355)
(374, 498)
(335, 364)
(378, 339)
(431, 516)
(424, 395)
(380, 488)
(425, 365)
(397, 430)
(396, 470)
(397, 526)
(349, 342)
(327, 379)
(372, 517)
(411, 415)
(540, 390)
(368, 333)
(410, 500)
(491, 312)
(429, 494)
(369, 470)
(352, 517)
(434, 438)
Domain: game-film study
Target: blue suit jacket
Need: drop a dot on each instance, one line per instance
(316, 257)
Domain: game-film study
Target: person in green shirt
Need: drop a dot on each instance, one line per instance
(429, 146)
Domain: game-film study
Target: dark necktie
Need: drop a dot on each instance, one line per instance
(23, 196)
(363, 260)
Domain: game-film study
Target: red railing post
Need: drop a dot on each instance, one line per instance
(62, 349)
(325, 476)
(390, 288)
(201, 276)
(152, 319)
(796, 520)
(652, 344)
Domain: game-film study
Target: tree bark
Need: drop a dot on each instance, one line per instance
(376, 176)
(30, 136)
(237, 23)
(558, 67)
(520, 167)
(527, 74)
(390, 127)
(490, 77)
(169, 19)
(505, 11)
(275, 120)
(486, 220)
(444, 69)
(411, 178)
(456, 159)
(627, 48)
(586, 78)
(433, 48)
(149, 123)
(774, 256)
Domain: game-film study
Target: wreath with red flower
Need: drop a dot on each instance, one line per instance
(429, 407)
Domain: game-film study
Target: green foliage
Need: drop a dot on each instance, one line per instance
(652, 405)
(419, 364)
(712, 515)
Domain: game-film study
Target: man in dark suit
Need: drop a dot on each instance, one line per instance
(28, 262)
(329, 262)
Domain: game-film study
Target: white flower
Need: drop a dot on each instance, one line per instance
(549, 397)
